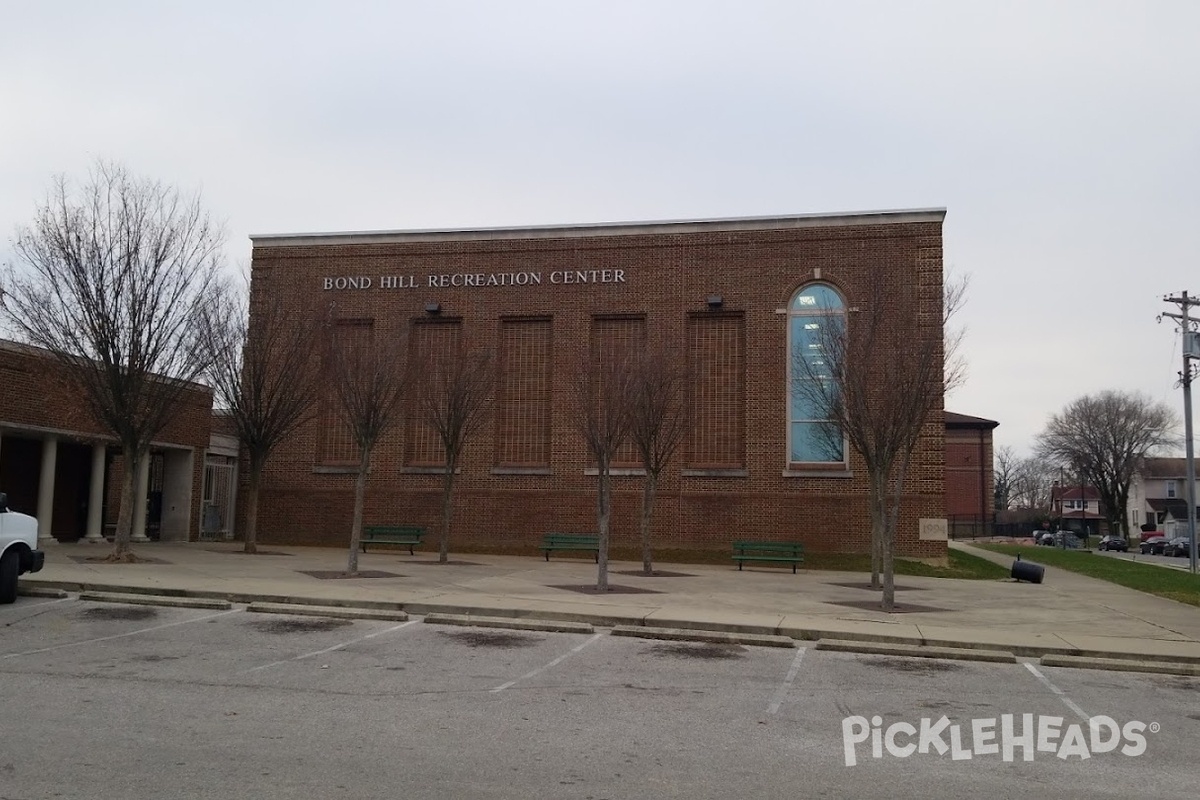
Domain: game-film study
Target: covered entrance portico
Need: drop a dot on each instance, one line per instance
(72, 483)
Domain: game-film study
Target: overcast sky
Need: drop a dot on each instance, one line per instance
(1062, 137)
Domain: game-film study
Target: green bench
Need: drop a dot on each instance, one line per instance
(570, 541)
(784, 552)
(404, 535)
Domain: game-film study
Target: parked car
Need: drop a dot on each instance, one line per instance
(1153, 546)
(1179, 546)
(1113, 543)
(18, 549)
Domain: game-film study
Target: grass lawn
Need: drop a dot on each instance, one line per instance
(1162, 581)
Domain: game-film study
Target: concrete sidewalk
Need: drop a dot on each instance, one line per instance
(1067, 615)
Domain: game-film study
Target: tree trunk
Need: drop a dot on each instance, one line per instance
(360, 493)
(889, 539)
(878, 501)
(647, 511)
(889, 573)
(252, 486)
(603, 511)
(447, 509)
(121, 547)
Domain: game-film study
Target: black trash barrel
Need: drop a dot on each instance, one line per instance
(1027, 571)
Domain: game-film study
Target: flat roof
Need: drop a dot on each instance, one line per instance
(898, 217)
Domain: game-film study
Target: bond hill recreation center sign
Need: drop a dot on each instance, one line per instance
(475, 279)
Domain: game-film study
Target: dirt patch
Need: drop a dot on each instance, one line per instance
(502, 639)
(151, 659)
(124, 613)
(333, 574)
(899, 608)
(128, 558)
(658, 573)
(612, 589)
(294, 625)
(925, 665)
(867, 585)
(704, 651)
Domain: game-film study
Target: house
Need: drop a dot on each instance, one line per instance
(1078, 508)
(1158, 497)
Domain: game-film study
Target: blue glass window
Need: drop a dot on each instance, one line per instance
(817, 312)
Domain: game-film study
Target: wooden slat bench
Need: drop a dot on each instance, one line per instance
(404, 535)
(784, 552)
(571, 541)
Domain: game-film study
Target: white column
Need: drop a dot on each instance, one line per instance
(139, 501)
(45, 507)
(95, 520)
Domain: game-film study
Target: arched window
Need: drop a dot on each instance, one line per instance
(816, 317)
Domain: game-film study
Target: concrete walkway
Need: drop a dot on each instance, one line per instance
(1068, 614)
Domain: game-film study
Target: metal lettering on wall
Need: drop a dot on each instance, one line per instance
(475, 279)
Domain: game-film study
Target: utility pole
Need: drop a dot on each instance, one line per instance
(1191, 351)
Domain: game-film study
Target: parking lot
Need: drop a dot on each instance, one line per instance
(106, 700)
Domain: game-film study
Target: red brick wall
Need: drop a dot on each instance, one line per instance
(36, 399)
(669, 272)
(970, 481)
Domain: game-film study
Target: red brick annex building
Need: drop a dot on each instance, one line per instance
(733, 296)
(59, 464)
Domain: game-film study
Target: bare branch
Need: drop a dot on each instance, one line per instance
(117, 276)
(264, 375)
(1104, 437)
(368, 380)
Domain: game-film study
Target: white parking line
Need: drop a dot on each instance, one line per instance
(553, 663)
(341, 646)
(1061, 694)
(35, 608)
(118, 635)
(785, 687)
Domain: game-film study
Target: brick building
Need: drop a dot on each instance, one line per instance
(734, 297)
(970, 477)
(58, 463)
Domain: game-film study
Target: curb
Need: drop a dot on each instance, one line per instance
(714, 637)
(508, 623)
(156, 600)
(1122, 665)
(338, 612)
(355, 609)
(40, 591)
(917, 651)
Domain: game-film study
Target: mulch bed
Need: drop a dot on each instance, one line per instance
(867, 585)
(637, 573)
(900, 608)
(334, 574)
(140, 559)
(612, 589)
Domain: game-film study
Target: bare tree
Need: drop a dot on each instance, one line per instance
(1005, 471)
(659, 419)
(602, 391)
(878, 378)
(368, 380)
(1105, 437)
(264, 371)
(115, 278)
(454, 398)
(1031, 482)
